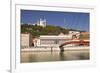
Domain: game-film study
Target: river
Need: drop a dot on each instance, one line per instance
(30, 57)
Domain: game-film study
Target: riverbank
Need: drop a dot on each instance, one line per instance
(43, 49)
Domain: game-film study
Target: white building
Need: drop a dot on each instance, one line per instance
(52, 40)
(55, 40)
(75, 34)
(36, 42)
(41, 22)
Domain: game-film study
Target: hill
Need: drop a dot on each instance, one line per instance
(36, 31)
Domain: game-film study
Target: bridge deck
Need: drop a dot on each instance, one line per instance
(78, 42)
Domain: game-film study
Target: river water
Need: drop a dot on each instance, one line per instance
(29, 57)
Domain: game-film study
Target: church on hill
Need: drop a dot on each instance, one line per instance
(41, 22)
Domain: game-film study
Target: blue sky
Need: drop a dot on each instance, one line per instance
(73, 20)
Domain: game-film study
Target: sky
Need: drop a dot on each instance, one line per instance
(71, 20)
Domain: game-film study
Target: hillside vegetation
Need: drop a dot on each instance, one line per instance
(38, 30)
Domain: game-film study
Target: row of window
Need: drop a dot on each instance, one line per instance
(52, 41)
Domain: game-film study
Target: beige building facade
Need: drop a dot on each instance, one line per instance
(26, 40)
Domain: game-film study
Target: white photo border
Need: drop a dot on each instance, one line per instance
(17, 66)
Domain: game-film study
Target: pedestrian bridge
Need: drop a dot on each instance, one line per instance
(76, 42)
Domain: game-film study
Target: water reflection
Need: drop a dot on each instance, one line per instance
(53, 56)
(61, 55)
